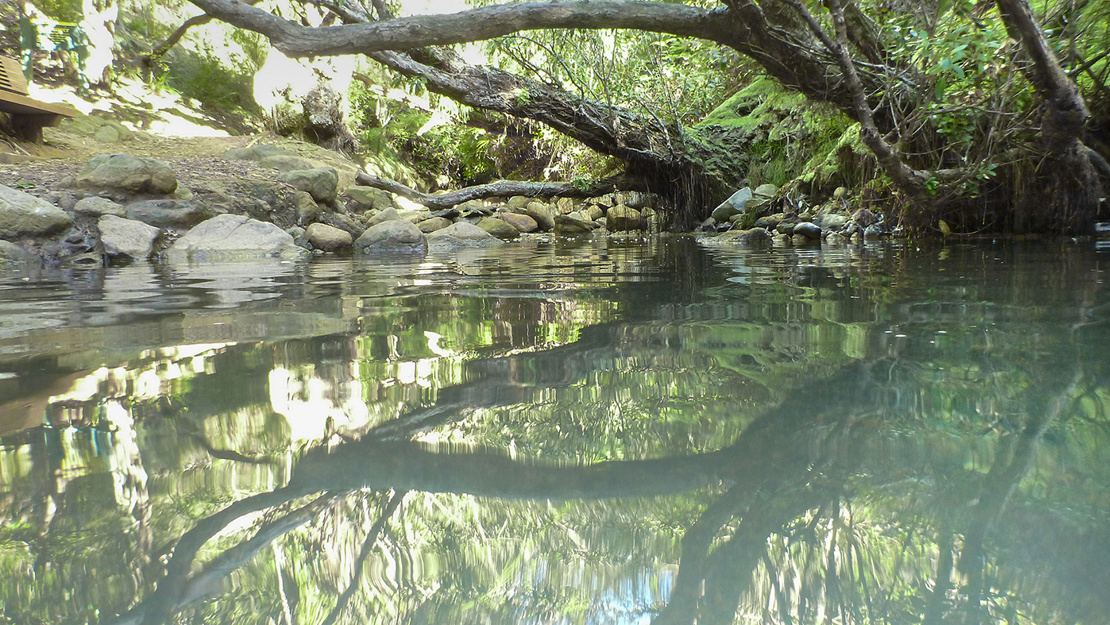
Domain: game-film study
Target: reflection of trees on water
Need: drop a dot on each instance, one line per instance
(849, 457)
(803, 523)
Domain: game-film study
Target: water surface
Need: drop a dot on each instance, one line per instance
(595, 431)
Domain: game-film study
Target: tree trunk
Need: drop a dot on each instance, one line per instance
(891, 101)
(1064, 192)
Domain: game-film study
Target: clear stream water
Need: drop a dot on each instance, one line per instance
(597, 431)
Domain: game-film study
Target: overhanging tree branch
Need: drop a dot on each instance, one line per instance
(404, 33)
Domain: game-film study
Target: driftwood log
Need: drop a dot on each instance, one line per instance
(500, 188)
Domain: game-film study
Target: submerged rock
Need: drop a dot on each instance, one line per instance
(234, 237)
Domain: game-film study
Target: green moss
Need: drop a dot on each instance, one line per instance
(780, 132)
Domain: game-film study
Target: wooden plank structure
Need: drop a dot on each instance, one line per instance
(29, 116)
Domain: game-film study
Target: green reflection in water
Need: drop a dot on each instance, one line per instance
(621, 431)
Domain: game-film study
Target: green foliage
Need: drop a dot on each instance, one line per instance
(61, 10)
(675, 79)
(782, 133)
(221, 86)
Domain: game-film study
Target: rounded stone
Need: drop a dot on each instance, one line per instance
(328, 238)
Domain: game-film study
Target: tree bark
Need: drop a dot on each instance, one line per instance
(1067, 187)
(500, 188)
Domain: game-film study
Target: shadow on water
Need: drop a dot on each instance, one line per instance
(641, 433)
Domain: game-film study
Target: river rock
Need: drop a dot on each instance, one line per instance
(767, 190)
(873, 231)
(168, 213)
(128, 173)
(328, 238)
(498, 228)
(573, 225)
(754, 238)
(522, 223)
(518, 202)
(542, 213)
(734, 205)
(808, 230)
(233, 237)
(459, 235)
(393, 235)
(389, 214)
(433, 223)
(99, 206)
(368, 198)
(863, 217)
(621, 218)
(11, 253)
(786, 227)
(300, 237)
(322, 183)
(833, 221)
(22, 214)
(127, 237)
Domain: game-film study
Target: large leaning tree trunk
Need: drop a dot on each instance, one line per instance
(836, 57)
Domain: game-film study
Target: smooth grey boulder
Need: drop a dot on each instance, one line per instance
(98, 206)
(24, 215)
(498, 228)
(808, 230)
(461, 235)
(391, 236)
(328, 238)
(322, 183)
(234, 237)
(621, 218)
(127, 237)
(168, 213)
(128, 173)
(734, 205)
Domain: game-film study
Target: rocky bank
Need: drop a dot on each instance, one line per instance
(146, 198)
